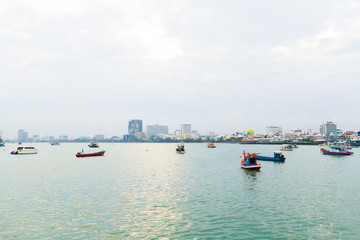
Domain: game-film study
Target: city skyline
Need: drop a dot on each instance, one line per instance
(86, 68)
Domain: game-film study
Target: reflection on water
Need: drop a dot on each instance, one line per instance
(147, 191)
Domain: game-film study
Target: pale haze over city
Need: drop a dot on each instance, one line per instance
(87, 67)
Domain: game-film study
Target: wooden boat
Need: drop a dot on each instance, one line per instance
(180, 149)
(93, 145)
(278, 157)
(287, 148)
(337, 148)
(95, 154)
(210, 145)
(250, 161)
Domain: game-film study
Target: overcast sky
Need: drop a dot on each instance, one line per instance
(82, 67)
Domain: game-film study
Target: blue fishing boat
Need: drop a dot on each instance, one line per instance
(278, 157)
(2, 144)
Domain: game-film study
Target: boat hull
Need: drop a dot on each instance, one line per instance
(327, 152)
(264, 158)
(97, 154)
(250, 166)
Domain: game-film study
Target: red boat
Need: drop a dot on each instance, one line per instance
(96, 154)
(339, 152)
(250, 161)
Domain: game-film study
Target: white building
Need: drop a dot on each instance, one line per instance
(327, 128)
(155, 130)
(271, 130)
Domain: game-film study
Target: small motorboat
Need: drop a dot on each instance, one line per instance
(210, 145)
(95, 154)
(24, 150)
(250, 161)
(93, 145)
(287, 148)
(278, 157)
(180, 149)
(54, 143)
(2, 144)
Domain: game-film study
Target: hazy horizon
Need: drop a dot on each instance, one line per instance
(87, 67)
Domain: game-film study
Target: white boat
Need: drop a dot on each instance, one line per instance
(25, 150)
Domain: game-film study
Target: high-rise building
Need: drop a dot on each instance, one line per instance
(273, 130)
(22, 136)
(135, 125)
(185, 129)
(327, 128)
(154, 130)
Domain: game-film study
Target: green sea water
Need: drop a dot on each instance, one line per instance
(147, 191)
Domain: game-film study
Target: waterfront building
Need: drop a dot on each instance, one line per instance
(23, 136)
(140, 135)
(155, 130)
(135, 125)
(327, 128)
(271, 130)
(185, 129)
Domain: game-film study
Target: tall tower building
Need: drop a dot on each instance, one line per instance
(135, 125)
(327, 128)
(185, 129)
(22, 135)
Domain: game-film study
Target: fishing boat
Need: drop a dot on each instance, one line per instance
(278, 157)
(24, 150)
(286, 148)
(180, 148)
(95, 154)
(249, 141)
(54, 143)
(250, 161)
(93, 145)
(210, 145)
(336, 149)
(2, 144)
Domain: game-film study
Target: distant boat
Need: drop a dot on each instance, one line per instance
(95, 154)
(24, 150)
(278, 157)
(54, 143)
(2, 144)
(210, 145)
(249, 141)
(250, 161)
(180, 148)
(287, 148)
(93, 145)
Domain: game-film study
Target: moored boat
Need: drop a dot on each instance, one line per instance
(250, 161)
(54, 143)
(95, 154)
(180, 148)
(24, 150)
(278, 157)
(2, 144)
(336, 149)
(93, 145)
(286, 148)
(210, 145)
